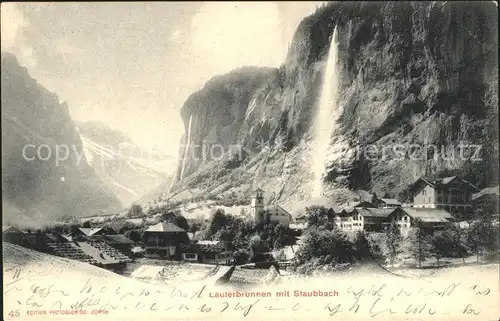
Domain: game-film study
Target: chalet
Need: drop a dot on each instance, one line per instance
(486, 201)
(102, 254)
(452, 194)
(426, 218)
(208, 252)
(92, 231)
(343, 221)
(163, 240)
(7, 229)
(82, 233)
(117, 241)
(348, 208)
(11, 234)
(386, 202)
(369, 219)
(273, 213)
(36, 241)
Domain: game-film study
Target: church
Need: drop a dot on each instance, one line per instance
(274, 213)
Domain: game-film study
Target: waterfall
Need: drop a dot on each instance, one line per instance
(186, 151)
(324, 123)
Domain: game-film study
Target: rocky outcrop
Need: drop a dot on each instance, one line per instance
(418, 82)
(45, 174)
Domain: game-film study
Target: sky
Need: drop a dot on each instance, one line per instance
(132, 65)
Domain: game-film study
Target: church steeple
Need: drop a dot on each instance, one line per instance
(257, 205)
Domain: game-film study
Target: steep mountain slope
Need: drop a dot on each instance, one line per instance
(418, 81)
(127, 169)
(44, 172)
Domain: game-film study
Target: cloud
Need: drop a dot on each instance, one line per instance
(227, 35)
(12, 21)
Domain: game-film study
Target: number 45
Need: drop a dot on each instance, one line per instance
(14, 314)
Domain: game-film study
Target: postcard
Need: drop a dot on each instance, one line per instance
(250, 161)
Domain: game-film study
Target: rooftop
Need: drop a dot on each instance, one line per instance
(112, 239)
(390, 201)
(270, 207)
(374, 212)
(430, 215)
(444, 181)
(90, 231)
(165, 227)
(208, 242)
(8, 228)
(487, 191)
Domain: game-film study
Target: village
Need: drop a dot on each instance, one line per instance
(269, 236)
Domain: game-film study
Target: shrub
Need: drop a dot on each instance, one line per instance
(317, 216)
(449, 243)
(241, 257)
(418, 245)
(393, 242)
(482, 237)
(135, 211)
(330, 247)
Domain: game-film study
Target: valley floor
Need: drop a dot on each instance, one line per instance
(37, 281)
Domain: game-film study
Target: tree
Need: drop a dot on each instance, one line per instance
(330, 247)
(135, 211)
(483, 237)
(316, 216)
(175, 217)
(361, 246)
(134, 235)
(181, 222)
(241, 257)
(393, 242)
(226, 236)
(86, 224)
(282, 236)
(195, 226)
(449, 242)
(219, 219)
(421, 246)
(152, 210)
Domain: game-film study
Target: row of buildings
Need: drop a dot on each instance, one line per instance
(436, 202)
(113, 251)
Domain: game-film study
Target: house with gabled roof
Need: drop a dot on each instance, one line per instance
(386, 202)
(209, 252)
(486, 201)
(9, 229)
(369, 219)
(163, 240)
(92, 231)
(275, 213)
(425, 218)
(452, 194)
(349, 207)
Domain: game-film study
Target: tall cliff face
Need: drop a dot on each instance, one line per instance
(44, 172)
(418, 83)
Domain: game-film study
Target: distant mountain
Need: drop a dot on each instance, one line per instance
(128, 170)
(44, 172)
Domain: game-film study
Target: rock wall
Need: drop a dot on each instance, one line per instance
(37, 185)
(418, 80)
